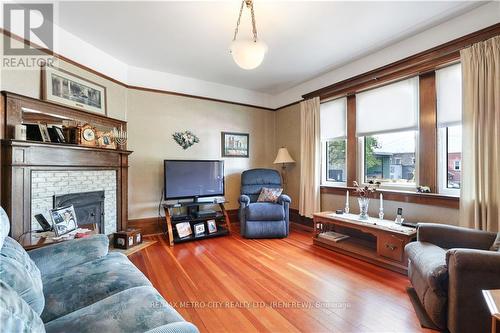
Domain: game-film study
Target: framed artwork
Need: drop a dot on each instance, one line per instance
(63, 220)
(44, 132)
(212, 226)
(235, 144)
(60, 134)
(106, 139)
(199, 229)
(183, 229)
(62, 87)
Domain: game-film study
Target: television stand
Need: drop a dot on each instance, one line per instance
(221, 219)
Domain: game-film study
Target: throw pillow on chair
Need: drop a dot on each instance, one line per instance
(269, 194)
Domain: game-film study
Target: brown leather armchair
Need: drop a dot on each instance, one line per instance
(448, 267)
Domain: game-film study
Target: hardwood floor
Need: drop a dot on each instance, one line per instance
(231, 284)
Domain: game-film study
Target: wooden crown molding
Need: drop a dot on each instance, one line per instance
(416, 64)
(106, 77)
(413, 65)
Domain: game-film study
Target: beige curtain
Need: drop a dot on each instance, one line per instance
(309, 199)
(480, 194)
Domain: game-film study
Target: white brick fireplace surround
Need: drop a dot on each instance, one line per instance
(46, 184)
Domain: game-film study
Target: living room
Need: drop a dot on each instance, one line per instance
(254, 170)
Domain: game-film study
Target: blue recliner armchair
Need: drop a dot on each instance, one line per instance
(262, 219)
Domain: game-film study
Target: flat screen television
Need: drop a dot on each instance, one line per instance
(193, 179)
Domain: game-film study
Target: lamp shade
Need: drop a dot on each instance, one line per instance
(247, 53)
(283, 156)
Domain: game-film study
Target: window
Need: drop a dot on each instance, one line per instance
(333, 141)
(449, 120)
(335, 161)
(387, 128)
(453, 156)
(390, 158)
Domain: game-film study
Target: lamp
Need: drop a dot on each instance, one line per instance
(247, 53)
(283, 157)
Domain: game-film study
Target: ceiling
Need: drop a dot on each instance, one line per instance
(305, 38)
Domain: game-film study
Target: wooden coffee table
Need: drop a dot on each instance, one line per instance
(32, 240)
(492, 298)
(380, 242)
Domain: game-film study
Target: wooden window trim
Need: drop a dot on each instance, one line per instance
(431, 199)
(352, 153)
(416, 64)
(427, 145)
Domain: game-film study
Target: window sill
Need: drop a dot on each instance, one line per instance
(433, 199)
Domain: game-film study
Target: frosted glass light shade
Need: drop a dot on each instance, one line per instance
(248, 54)
(283, 156)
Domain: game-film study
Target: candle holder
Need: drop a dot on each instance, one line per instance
(120, 137)
(346, 209)
(381, 213)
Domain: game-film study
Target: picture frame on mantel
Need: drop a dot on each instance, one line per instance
(62, 87)
(235, 144)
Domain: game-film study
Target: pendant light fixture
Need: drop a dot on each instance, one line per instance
(248, 53)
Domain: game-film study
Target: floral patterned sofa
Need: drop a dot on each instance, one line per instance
(77, 286)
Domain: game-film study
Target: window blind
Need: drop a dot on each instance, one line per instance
(333, 119)
(449, 95)
(391, 108)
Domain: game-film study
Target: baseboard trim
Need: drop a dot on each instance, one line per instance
(154, 225)
(149, 225)
(299, 219)
(301, 227)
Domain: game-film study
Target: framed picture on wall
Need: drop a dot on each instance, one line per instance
(235, 144)
(62, 87)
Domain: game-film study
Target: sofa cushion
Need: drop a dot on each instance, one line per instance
(266, 229)
(435, 304)
(82, 285)
(264, 211)
(430, 261)
(496, 244)
(15, 314)
(21, 274)
(136, 309)
(4, 226)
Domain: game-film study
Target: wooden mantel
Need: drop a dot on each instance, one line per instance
(20, 158)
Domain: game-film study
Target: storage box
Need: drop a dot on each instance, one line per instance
(125, 239)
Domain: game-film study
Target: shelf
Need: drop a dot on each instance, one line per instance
(28, 143)
(220, 232)
(217, 217)
(191, 204)
(360, 249)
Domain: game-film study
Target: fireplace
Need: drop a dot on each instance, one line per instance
(89, 207)
(94, 191)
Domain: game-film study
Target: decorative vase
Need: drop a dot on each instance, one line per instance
(363, 207)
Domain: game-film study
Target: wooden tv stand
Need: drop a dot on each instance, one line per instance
(221, 218)
(380, 242)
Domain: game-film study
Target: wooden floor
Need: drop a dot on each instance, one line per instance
(231, 284)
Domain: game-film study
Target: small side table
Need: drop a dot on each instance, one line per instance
(29, 241)
(492, 298)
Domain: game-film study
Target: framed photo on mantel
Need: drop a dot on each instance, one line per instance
(62, 87)
(235, 144)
